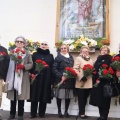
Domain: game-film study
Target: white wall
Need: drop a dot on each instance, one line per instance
(36, 20)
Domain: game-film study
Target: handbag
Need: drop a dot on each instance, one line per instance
(5, 87)
(111, 90)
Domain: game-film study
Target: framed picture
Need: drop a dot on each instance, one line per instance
(83, 17)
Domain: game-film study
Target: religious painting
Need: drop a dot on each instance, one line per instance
(83, 17)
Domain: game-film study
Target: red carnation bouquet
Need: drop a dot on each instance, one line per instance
(69, 73)
(104, 72)
(39, 66)
(16, 55)
(116, 65)
(2, 55)
(87, 71)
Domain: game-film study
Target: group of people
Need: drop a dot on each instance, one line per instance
(39, 92)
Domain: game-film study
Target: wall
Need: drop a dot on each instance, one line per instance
(36, 20)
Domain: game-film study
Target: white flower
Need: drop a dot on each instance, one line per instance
(68, 42)
(93, 42)
(71, 47)
(84, 43)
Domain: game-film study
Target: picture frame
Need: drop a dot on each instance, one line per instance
(71, 22)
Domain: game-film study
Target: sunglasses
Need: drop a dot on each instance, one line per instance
(44, 44)
(19, 41)
(63, 48)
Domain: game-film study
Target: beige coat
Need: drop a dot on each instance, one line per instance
(25, 89)
(78, 65)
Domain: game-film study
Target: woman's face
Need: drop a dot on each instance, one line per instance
(44, 46)
(85, 52)
(63, 49)
(19, 43)
(104, 51)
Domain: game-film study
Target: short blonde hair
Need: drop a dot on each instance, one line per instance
(64, 45)
(84, 47)
(105, 46)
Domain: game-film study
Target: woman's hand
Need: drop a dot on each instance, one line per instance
(63, 79)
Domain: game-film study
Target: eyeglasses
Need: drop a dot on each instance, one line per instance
(44, 44)
(19, 41)
(63, 48)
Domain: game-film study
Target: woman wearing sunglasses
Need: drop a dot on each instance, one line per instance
(65, 91)
(40, 92)
(18, 78)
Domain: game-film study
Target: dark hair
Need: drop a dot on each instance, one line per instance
(22, 38)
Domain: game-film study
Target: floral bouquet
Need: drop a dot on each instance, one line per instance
(87, 71)
(104, 72)
(16, 55)
(116, 65)
(32, 46)
(2, 55)
(69, 73)
(39, 66)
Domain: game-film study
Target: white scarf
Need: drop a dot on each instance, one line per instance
(14, 81)
(65, 55)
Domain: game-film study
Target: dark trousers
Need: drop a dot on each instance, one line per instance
(103, 112)
(82, 99)
(13, 106)
(67, 103)
(42, 108)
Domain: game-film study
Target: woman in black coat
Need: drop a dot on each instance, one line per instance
(40, 91)
(97, 98)
(65, 91)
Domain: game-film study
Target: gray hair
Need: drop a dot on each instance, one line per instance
(22, 38)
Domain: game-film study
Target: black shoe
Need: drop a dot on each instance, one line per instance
(66, 115)
(33, 116)
(42, 116)
(20, 118)
(102, 118)
(11, 117)
(60, 115)
(83, 116)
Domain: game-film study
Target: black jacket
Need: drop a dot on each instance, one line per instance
(4, 64)
(59, 67)
(97, 98)
(41, 87)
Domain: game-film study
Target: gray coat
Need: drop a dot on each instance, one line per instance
(25, 89)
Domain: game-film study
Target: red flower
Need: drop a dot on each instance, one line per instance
(38, 61)
(19, 57)
(69, 73)
(23, 52)
(105, 71)
(111, 70)
(4, 53)
(104, 65)
(17, 50)
(95, 72)
(88, 70)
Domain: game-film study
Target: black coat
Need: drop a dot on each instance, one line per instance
(58, 69)
(97, 98)
(4, 64)
(41, 87)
